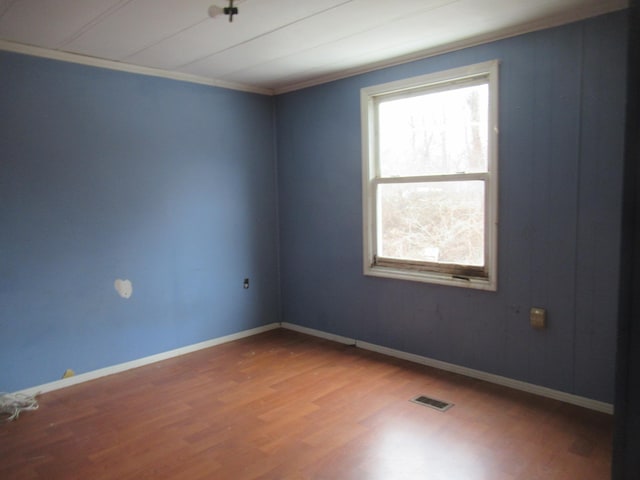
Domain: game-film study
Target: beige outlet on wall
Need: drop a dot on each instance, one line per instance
(538, 317)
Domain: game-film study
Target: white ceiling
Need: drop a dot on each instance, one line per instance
(272, 45)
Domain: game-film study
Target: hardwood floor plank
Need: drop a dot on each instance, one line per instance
(283, 405)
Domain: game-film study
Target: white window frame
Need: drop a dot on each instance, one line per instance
(369, 97)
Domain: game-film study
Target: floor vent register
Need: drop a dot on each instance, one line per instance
(439, 405)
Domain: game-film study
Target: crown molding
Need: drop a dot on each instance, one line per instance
(126, 67)
(576, 15)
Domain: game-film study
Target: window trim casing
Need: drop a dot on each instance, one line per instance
(371, 175)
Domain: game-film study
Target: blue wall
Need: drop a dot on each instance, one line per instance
(107, 175)
(562, 96)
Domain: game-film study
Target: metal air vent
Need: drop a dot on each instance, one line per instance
(439, 405)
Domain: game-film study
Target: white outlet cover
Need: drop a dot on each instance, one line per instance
(123, 287)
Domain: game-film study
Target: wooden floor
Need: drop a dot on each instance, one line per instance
(282, 405)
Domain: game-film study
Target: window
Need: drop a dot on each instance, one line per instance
(430, 177)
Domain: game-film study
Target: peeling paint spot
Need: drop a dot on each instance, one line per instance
(123, 287)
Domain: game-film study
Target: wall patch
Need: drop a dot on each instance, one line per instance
(123, 287)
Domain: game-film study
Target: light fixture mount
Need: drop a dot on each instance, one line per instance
(231, 10)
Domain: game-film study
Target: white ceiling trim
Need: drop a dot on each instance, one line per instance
(530, 27)
(568, 17)
(127, 67)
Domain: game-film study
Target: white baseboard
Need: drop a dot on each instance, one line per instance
(103, 372)
(469, 372)
(318, 333)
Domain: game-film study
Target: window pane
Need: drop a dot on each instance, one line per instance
(434, 133)
(432, 222)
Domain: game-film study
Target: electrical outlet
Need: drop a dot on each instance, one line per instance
(538, 318)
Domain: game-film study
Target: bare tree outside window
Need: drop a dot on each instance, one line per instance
(421, 222)
(430, 134)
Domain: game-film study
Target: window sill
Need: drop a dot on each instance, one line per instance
(431, 277)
